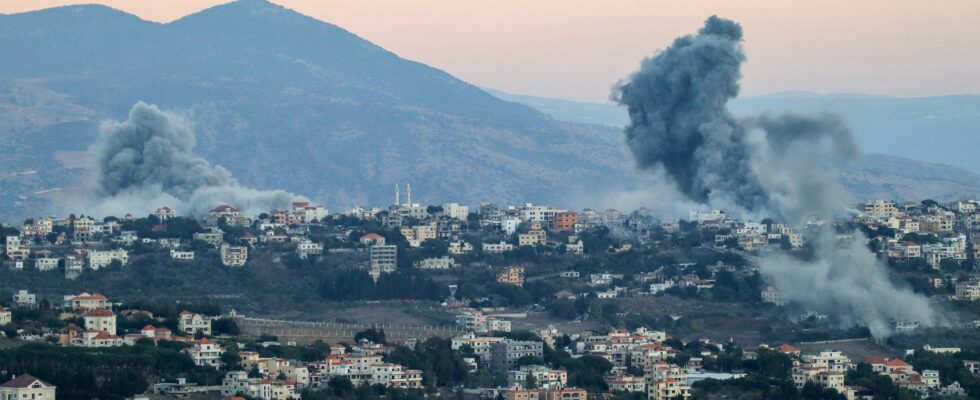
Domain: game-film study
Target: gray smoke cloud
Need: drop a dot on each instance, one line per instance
(147, 162)
(779, 165)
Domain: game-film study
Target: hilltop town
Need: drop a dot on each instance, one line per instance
(524, 302)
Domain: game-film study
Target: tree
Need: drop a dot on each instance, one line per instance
(530, 382)
(371, 335)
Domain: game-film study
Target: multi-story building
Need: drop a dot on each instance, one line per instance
(771, 295)
(100, 319)
(497, 248)
(535, 394)
(383, 259)
(542, 376)
(968, 290)
(193, 323)
(534, 236)
(101, 259)
(511, 276)
(23, 298)
(565, 221)
(233, 256)
(205, 353)
(504, 354)
(306, 248)
(5, 316)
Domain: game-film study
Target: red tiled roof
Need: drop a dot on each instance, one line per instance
(23, 381)
(876, 360)
(786, 348)
(371, 236)
(89, 297)
(898, 363)
(98, 312)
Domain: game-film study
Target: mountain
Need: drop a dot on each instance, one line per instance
(282, 100)
(286, 101)
(940, 129)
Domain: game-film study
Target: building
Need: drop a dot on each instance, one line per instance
(182, 255)
(100, 319)
(512, 276)
(233, 256)
(543, 377)
(15, 251)
(213, 237)
(968, 290)
(771, 295)
(565, 221)
(534, 236)
(5, 316)
(194, 323)
(165, 213)
(46, 263)
(101, 259)
(497, 248)
(27, 387)
(372, 239)
(436, 263)
(85, 301)
(455, 211)
(534, 394)
(504, 354)
(205, 353)
(24, 298)
(384, 259)
(306, 248)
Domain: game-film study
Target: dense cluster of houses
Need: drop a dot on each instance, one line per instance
(828, 369)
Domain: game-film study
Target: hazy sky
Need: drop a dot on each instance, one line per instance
(578, 49)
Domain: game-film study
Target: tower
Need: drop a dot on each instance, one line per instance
(408, 193)
(398, 195)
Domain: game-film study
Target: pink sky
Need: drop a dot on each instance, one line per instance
(578, 49)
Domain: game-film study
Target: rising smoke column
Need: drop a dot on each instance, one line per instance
(765, 165)
(147, 161)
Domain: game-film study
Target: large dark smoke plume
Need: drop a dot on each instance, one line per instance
(768, 165)
(147, 161)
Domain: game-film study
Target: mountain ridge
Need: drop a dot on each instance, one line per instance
(301, 105)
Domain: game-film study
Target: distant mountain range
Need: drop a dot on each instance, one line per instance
(940, 129)
(286, 101)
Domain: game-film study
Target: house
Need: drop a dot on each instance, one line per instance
(436, 263)
(213, 237)
(27, 387)
(101, 259)
(5, 316)
(100, 319)
(182, 255)
(460, 247)
(306, 248)
(544, 377)
(74, 264)
(564, 294)
(771, 295)
(497, 248)
(535, 394)
(205, 353)
(164, 213)
(968, 290)
(512, 276)
(233, 256)
(85, 301)
(46, 263)
(194, 323)
(237, 383)
(372, 239)
(534, 237)
(23, 298)
(96, 338)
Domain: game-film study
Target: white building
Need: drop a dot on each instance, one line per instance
(27, 387)
(233, 256)
(193, 323)
(436, 263)
(101, 259)
(497, 248)
(181, 255)
(205, 353)
(46, 263)
(454, 210)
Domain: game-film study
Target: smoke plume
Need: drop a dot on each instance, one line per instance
(768, 165)
(147, 161)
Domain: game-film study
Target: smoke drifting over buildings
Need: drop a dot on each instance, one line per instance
(769, 165)
(147, 162)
